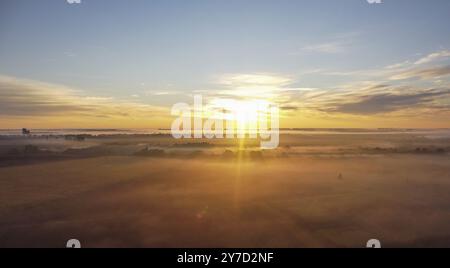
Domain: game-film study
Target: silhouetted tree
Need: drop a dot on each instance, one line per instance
(26, 131)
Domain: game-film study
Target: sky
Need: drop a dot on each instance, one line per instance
(326, 63)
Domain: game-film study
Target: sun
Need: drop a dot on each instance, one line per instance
(246, 114)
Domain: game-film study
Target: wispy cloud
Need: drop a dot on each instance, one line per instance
(386, 91)
(162, 93)
(398, 65)
(338, 43)
(428, 73)
(20, 97)
(433, 57)
(387, 102)
(240, 80)
(329, 48)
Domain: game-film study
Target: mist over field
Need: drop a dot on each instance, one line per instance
(316, 190)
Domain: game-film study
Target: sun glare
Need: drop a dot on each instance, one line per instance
(243, 112)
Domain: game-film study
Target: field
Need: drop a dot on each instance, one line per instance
(321, 190)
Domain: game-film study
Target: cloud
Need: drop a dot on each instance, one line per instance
(338, 43)
(24, 97)
(384, 91)
(329, 48)
(398, 65)
(163, 93)
(20, 97)
(289, 108)
(433, 57)
(256, 86)
(367, 98)
(429, 73)
(429, 67)
(387, 102)
(239, 80)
